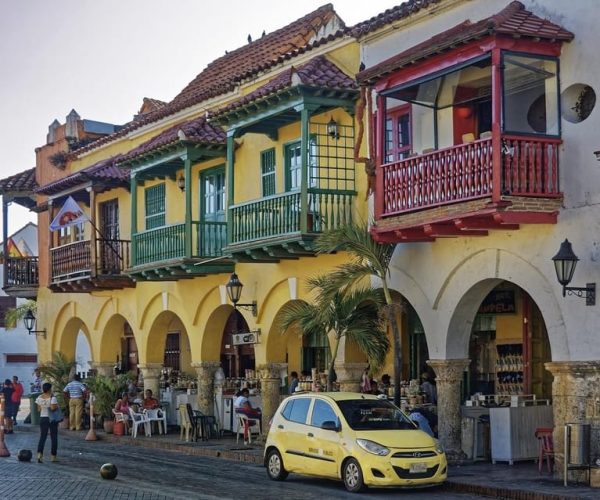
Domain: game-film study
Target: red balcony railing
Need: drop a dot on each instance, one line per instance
(465, 172)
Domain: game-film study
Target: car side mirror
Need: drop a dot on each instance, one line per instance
(330, 425)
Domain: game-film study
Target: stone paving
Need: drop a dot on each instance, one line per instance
(154, 474)
(520, 481)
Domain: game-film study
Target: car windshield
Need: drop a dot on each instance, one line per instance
(371, 414)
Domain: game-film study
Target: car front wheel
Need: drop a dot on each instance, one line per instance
(353, 476)
(275, 469)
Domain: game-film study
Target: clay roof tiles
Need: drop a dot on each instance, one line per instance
(197, 131)
(21, 182)
(514, 20)
(223, 74)
(103, 171)
(401, 11)
(318, 72)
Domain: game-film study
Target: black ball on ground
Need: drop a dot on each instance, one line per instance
(108, 471)
(24, 455)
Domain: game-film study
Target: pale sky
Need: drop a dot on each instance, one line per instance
(102, 57)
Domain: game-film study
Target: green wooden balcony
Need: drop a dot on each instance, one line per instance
(284, 226)
(166, 254)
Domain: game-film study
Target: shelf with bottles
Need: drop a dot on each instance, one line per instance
(509, 369)
(234, 385)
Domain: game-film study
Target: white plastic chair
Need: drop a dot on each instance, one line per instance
(138, 419)
(246, 428)
(159, 416)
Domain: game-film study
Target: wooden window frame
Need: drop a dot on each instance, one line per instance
(156, 218)
(397, 152)
(268, 178)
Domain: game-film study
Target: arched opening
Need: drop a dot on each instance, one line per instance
(237, 348)
(119, 345)
(168, 344)
(74, 343)
(508, 347)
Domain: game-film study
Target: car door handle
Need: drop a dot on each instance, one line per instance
(310, 435)
(280, 426)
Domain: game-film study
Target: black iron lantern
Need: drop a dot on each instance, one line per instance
(234, 288)
(565, 262)
(29, 320)
(181, 183)
(332, 129)
(234, 292)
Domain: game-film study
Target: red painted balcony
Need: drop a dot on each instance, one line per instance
(460, 191)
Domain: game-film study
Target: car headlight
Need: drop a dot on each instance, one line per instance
(439, 449)
(373, 447)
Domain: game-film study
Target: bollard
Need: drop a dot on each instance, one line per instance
(91, 435)
(3, 449)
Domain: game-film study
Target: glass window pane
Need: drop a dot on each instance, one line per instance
(530, 95)
(300, 410)
(322, 412)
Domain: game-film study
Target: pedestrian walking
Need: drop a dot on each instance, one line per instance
(75, 391)
(7, 390)
(16, 397)
(46, 402)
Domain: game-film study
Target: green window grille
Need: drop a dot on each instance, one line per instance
(267, 165)
(155, 206)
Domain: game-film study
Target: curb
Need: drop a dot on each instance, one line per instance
(497, 492)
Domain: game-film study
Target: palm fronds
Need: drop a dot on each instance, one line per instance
(12, 316)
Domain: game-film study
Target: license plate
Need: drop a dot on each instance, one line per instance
(418, 467)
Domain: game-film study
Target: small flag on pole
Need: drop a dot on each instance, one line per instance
(69, 215)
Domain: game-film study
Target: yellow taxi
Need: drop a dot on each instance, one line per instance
(358, 438)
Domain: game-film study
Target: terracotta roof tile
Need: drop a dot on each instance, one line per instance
(21, 182)
(318, 72)
(197, 131)
(222, 75)
(226, 71)
(103, 171)
(403, 10)
(514, 20)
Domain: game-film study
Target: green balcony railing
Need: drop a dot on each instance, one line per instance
(169, 242)
(284, 214)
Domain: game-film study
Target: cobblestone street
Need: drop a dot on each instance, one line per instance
(157, 474)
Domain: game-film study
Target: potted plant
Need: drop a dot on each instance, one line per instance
(58, 372)
(106, 391)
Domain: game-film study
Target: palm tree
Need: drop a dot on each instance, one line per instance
(13, 315)
(353, 314)
(58, 372)
(368, 259)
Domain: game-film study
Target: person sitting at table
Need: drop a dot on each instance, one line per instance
(242, 405)
(122, 406)
(150, 402)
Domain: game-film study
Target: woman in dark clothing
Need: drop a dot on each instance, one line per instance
(8, 390)
(46, 402)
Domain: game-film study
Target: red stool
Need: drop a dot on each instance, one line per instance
(119, 428)
(545, 446)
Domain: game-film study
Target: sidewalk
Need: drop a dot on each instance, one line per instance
(520, 481)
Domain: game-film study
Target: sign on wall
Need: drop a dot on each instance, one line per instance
(499, 302)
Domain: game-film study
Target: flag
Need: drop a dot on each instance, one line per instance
(11, 249)
(69, 215)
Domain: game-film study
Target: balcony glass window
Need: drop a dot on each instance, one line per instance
(530, 95)
(397, 134)
(155, 206)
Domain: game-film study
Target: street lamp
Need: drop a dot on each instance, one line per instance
(565, 262)
(234, 292)
(332, 129)
(29, 320)
(181, 183)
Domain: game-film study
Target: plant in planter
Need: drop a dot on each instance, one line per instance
(58, 372)
(106, 391)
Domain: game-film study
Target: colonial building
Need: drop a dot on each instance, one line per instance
(483, 133)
